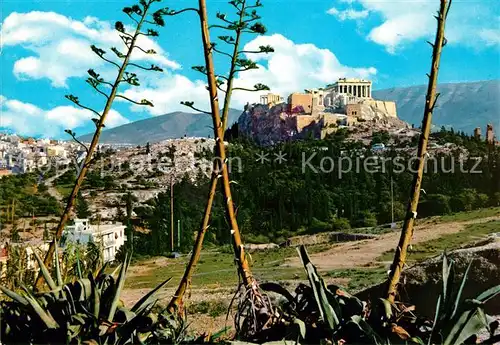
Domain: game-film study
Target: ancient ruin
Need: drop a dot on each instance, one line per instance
(315, 112)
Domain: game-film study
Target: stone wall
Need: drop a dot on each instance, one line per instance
(304, 121)
(329, 124)
(301, 100)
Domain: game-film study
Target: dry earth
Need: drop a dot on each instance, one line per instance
(364, 253)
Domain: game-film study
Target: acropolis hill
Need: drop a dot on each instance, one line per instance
(317, 112)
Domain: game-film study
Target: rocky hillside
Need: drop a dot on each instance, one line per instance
(463, 106)
(146, 172)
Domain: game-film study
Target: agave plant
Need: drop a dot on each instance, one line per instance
(317, 313)
(87, 310)
(457, 321)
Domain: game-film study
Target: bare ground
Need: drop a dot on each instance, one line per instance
(364, 253)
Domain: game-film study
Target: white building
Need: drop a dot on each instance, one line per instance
(110, 236)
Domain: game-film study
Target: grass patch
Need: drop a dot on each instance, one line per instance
(425, 250)
(359, 278)
(466, 216)
(216, 269)
(64, 189)
(211, 308)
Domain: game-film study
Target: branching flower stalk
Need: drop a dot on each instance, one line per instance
(140, 15)
(430, 103)
(246, 23)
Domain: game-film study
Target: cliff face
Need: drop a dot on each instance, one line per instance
(379, 109)
(267, 126)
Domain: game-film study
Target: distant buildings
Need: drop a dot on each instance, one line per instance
(110, 237)
(19, 156)
(354, 87)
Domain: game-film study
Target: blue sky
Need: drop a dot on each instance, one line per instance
(45, 53)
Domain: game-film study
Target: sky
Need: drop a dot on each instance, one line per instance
(45, 54)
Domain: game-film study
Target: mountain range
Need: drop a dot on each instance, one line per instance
(463, 106)
(158, 128)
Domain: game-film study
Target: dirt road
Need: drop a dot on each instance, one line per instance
(364, 253)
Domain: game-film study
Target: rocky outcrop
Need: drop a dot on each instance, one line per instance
(269, 125)
(374, 109)
(422, 283)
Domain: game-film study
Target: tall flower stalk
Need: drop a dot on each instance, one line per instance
(246, 23)
(140, 16)
(430, 103)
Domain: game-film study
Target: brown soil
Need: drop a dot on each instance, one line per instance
(364, 253)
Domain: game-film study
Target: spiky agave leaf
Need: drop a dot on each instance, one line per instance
(120, 282)
(46, 318)
(57, 267)
(14, 296)
(45, 272)
(148, 298)
(328, 313)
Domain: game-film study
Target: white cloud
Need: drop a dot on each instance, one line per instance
(348, 14)
(28, 119)
(61, 46)
(167, 92)
(490, 37)
(292, 68)
(403, 22)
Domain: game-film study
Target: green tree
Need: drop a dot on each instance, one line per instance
(82, 208)
(434, 205)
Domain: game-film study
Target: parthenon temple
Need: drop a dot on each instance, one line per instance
(355, 87)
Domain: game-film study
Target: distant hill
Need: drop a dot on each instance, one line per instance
(158, 128)
(463, 106)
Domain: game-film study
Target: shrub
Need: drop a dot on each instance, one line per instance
(365, 219)
(256, 239)
(318, 226)
(339, 224)
(434, 205)
(464, 201)
(495, 199)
